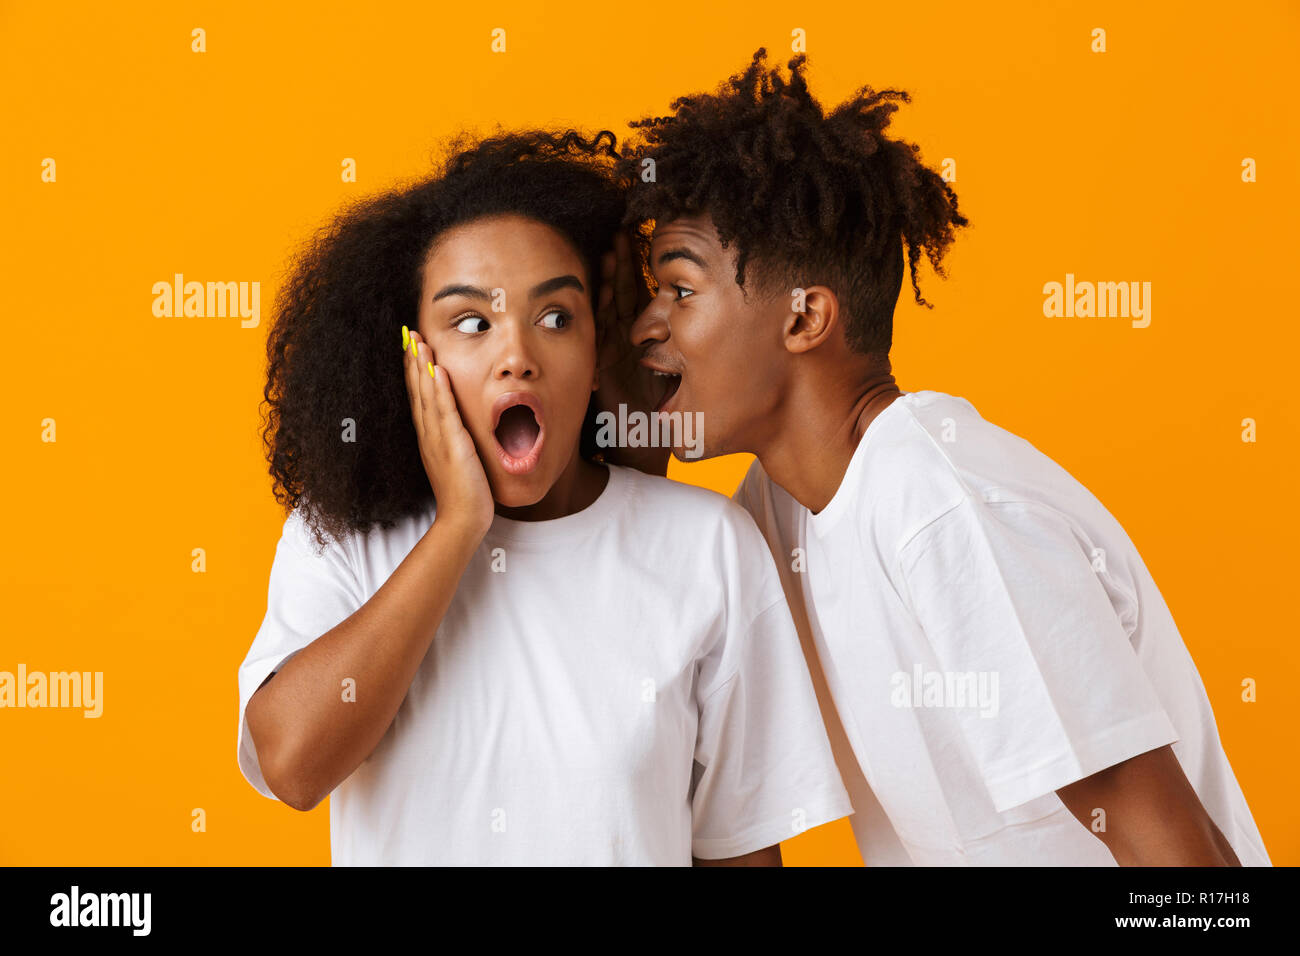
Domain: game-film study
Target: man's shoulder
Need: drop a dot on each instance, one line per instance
(946, 455)
(953, 448)
(937, 451)
(925, 454)
(924, 430)
(914, 434)
(917, 460)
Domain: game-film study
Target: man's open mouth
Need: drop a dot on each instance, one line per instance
(519, 432)
(665, 386)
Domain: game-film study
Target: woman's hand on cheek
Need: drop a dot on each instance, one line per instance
(460, 485)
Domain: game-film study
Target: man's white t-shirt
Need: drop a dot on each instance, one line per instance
(623, 685)
(988, 634)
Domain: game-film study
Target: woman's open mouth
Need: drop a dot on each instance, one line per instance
(519, 432)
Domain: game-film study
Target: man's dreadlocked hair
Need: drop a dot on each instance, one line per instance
(808, 198)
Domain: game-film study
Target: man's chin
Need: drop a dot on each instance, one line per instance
(692, 454)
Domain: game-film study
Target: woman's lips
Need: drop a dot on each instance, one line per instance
(523, 456)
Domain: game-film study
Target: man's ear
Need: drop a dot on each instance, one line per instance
(813, 317)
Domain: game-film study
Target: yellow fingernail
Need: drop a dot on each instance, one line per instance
(415, 349)
(406, 338)
(431, 375)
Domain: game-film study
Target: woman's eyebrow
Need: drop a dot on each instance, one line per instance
(469, 291)
(542, 288)
(553, 285)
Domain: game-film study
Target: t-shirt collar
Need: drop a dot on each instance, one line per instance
(545, 535)
(829, 517)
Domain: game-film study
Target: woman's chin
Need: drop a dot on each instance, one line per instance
(522, 482)
(518, 491)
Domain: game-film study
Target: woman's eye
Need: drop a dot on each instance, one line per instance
(555, 320)
(467, 325)
(679, 290)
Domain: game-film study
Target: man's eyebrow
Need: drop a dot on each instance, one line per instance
(469, 291)
(681, 252)
(554, 285)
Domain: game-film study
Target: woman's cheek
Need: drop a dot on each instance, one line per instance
(460, 377)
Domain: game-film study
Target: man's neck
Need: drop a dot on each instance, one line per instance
(818, 430)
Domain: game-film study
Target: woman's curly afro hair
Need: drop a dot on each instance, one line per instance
(805, 196)
(338, 434)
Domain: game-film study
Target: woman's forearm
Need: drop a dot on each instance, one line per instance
(309, 737)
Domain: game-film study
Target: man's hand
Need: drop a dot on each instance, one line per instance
(1152, 815)
(624, 294)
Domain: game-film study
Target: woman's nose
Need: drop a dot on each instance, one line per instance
(515, 360)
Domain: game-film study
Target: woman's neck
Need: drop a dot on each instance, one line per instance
(578, 486)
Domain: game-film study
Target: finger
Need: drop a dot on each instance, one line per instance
(434, 377)
(424, 379)
(624, 279)
(445, 401)
(409, 368)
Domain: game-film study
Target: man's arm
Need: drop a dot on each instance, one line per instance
(768, 856)
(1152, 815)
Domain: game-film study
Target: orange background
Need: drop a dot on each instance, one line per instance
(1115, 166)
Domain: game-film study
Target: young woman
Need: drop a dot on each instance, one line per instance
(487, 646)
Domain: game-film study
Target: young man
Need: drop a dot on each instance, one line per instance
(1010, 681)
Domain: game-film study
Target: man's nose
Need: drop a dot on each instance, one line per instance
(650, 326)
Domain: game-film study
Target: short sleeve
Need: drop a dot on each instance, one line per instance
(1006, 594)
(765, 771)
(308, 595)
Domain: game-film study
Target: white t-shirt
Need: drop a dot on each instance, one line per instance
(989, 634)
(626, 687)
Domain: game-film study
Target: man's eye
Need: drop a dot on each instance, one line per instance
(561, 320)
(467, 326)
(680, 290)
